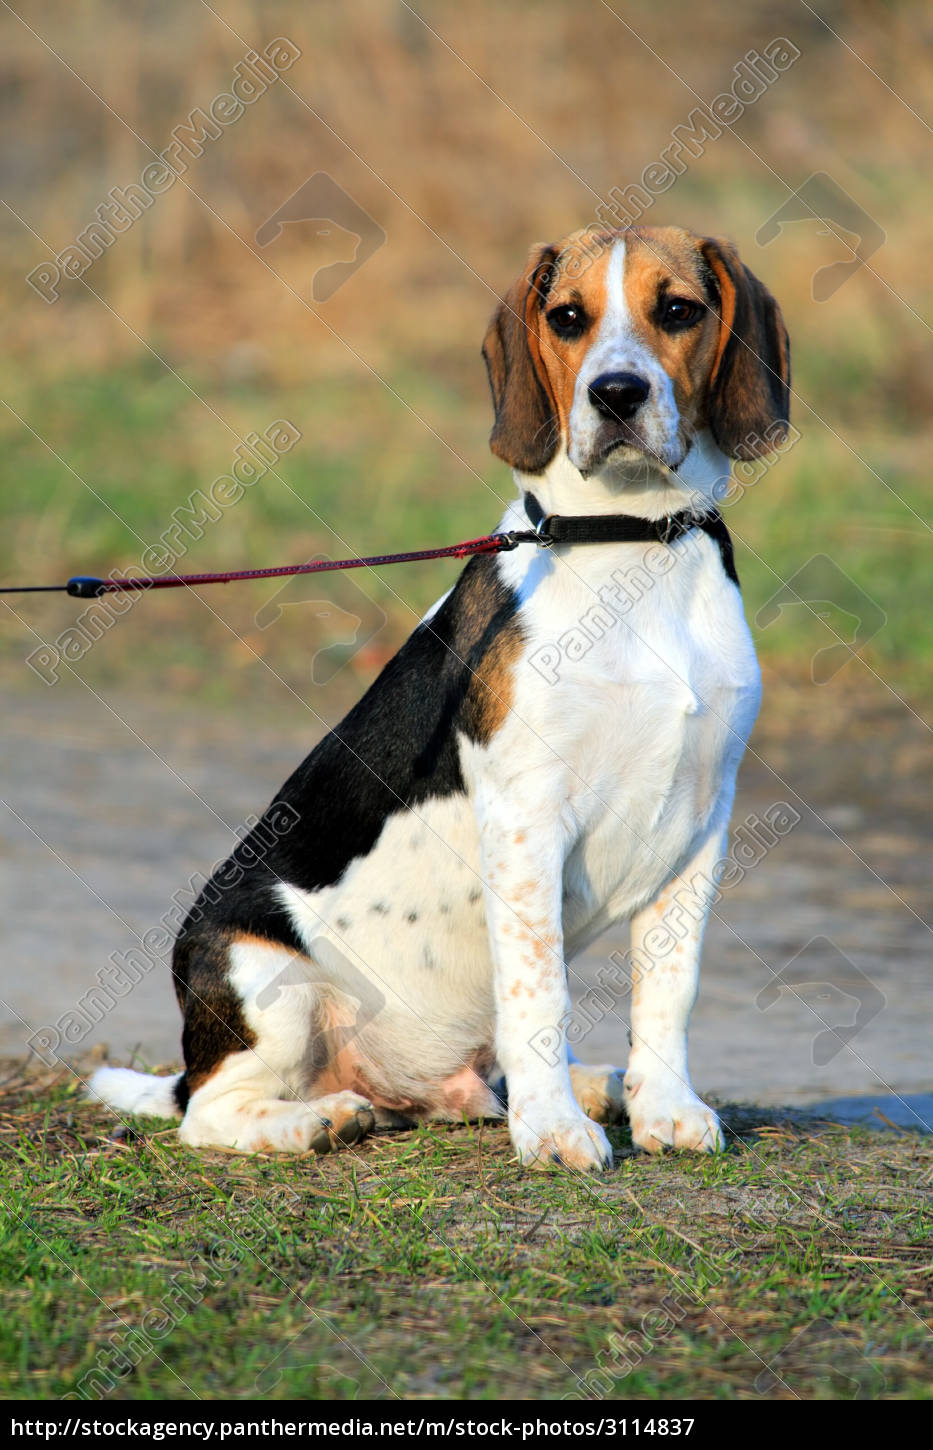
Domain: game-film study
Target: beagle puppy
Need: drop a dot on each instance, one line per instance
(552, 752)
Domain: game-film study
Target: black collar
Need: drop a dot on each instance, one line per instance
(629, 529)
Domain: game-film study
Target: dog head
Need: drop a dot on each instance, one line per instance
(623, 347)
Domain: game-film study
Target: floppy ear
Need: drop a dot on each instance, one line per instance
(525, 433)
(749, 388)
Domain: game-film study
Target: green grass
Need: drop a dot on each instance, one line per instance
(427, 1265)
(369, 476)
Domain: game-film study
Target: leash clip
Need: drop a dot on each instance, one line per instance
(668, 533)
(537, 535)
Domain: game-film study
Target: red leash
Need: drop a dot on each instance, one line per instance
(549, 529)
(89, 588)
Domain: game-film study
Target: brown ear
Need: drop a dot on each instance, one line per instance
(749, 388)
(525, 433)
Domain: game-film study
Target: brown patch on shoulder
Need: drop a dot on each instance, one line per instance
(488, 639)
(214, 1023)
(489, 697)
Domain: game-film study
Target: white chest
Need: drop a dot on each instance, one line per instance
(639, 689)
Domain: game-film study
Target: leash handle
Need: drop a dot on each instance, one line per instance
(82, 588)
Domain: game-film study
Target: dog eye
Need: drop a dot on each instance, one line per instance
(679, 312)
(568, 321)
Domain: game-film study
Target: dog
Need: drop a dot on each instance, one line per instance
(541, 760)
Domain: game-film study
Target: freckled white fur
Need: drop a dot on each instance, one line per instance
(663, 1110)
(406, 926)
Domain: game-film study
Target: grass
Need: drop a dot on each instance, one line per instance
(426, 1265)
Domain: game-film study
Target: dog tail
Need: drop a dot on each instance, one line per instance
(139, 1092)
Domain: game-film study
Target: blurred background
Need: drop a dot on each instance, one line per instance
(331, 258)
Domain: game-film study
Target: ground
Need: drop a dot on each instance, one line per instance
(118, 804)
(427, 1265)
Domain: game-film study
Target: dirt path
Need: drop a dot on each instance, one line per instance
(114, 807)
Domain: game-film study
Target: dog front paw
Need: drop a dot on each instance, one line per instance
(670, 1115)
(567, 1141)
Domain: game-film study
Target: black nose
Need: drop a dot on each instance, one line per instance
(618, 396)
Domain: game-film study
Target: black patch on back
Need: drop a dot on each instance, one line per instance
(396, 748)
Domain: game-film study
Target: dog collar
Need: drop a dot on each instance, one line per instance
(550, 529)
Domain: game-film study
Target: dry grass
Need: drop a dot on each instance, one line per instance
(508, 124)
(427, 1265)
